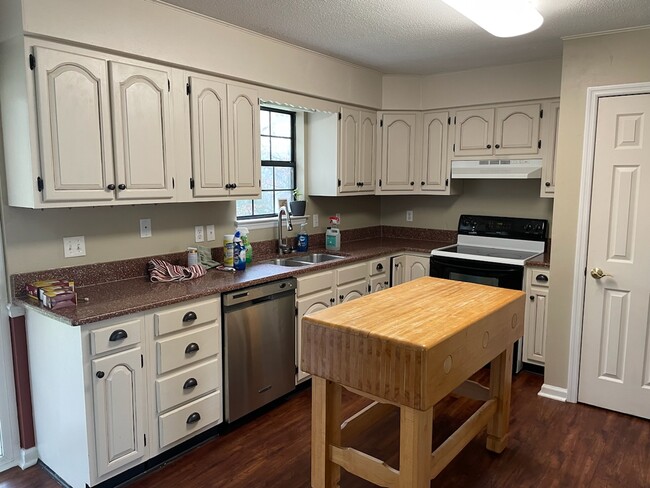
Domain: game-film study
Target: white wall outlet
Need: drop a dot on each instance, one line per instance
(338, 215)
(209, 233)
(199, 234)
(145, 228)
(74, 247)
(409, 215)
(315, 220)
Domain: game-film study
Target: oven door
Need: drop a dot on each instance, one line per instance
(485, 273)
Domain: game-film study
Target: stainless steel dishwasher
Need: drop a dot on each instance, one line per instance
(260, 343)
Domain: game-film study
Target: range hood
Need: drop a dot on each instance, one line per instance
(497, 169)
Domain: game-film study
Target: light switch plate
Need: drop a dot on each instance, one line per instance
(209, 233)
(315, 220)
(145, 228)
(409, 215)
(74, 247)
(199, 234)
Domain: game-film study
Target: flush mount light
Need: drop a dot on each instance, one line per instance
(501, 18)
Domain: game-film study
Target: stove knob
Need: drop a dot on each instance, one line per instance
(528, 227)
(474, 223)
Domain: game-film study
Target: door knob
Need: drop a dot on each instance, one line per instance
(598, 273)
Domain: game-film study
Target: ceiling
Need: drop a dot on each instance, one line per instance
(417, 36)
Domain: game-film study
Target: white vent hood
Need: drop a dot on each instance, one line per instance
(497, 169)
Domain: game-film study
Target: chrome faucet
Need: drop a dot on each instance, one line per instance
(283, 248)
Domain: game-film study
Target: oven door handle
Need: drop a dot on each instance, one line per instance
(474, 269)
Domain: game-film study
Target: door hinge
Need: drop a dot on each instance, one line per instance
(145, 439)
(380, 182)
(339, 182)
(381, 122)
(169, 85)
(369, 288)
(296, 309)
(539, 144)
(447, 182)
(39, 183)
(32, 62)
(141, 361)
(340, 115)
(296, 369)
(454, 148)
(454, 120)
(191, 183)
(173, 183)
(188, 88)
(541, 114)
(449, 120)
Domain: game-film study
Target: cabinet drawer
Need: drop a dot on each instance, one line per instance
(187, 348)
(174, 389)
(354, 272)
(315, 282)
(378, 266)
(184, 421)
(539, 277)
(180, 317)
(115, 337)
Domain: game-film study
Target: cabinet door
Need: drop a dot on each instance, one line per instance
(378, 283)
(118, 395)
(517, 130)
(141, 131)
(245, 165)
(352, 291)
(535, 326)
(367, 151)
(398, 152)
(398, 270)
(73, 111)
(349, 151)
(550, 151)
(474, 132)
(416, 267)
(434, 152)
(209, 132)
(312, 304)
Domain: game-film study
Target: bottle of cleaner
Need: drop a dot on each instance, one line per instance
(303, 239)
(239, 252)
(247, 244)
(228, 249)
(333, 235)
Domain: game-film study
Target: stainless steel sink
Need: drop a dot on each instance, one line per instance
(317, 258)
(289, 262)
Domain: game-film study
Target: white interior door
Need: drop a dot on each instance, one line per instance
(615, 359)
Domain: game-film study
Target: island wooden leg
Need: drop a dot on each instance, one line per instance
(325, 430)
(500, 383)
(415, 447)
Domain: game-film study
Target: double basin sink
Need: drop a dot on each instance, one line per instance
(297, 261)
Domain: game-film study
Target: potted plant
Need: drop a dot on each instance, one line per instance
(297, 206)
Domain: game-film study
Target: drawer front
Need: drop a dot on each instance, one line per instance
(354, 272)
(315, 282)
(187, 348)
(540, 276)
(186, 420)
(187, 315)
(186, 385)
(378, 266)
(117, 336)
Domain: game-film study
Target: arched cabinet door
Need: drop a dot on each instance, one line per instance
(311, 304)
(367, 151)
(349, 150)
(474, 132)
(517, 130)
(434, 155)
(352, 291)
(398, 152)
(244, 140)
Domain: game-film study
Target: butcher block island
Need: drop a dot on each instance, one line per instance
(409, 347)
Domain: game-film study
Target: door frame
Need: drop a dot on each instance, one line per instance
(584, 210)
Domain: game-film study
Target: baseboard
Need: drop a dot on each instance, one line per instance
(28, 457)
(554, 393)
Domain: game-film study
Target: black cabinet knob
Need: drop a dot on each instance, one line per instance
(190, 383)
(110, 187)
(497, 146)
(121, 186)
(233, 186)
(489, 146)
(547, 184)
(228, 186)
(193, 418)
(379, 267)
(118, 335)
(532, 298)
(361, 184)
(189, 317)
(421, 183)
(99, 374)
(192, 347)
(412, 183)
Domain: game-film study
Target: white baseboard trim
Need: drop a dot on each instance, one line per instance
(553, 392)
(28, 457)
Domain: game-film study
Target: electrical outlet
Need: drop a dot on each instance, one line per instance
(209, 233)
(145, 228)
(339, 217)
(409, 215)
(74, 247)
(315, 220)
(199, 235)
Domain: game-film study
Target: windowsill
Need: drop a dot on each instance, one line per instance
(269, 222)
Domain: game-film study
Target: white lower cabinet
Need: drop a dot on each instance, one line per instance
(537, 283)
(378, 274)
(407, 267)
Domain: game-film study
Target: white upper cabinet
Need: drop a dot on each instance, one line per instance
(435, 175)
(367, 151)
(512, 130)
(244, 165)
(552, 119)
(74, 126)
(142, 131)
(398, 152)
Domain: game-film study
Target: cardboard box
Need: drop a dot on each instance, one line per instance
(34, 289)
(59, 298)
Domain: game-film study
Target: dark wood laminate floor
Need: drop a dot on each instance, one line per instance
(552, 444)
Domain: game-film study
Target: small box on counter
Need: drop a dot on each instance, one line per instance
(34, 290)
(58, 298)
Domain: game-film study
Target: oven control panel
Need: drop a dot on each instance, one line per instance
(505, 227)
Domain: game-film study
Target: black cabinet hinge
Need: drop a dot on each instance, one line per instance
(539, 144)
(447, 182)
(369, 288)
(340, 115)
(296, 311)
(454, 120)
(188, 88)
(32, 62)
(191, 183)
(173, 183)
(141, 361)
(339, 182)
(145, 439)
(541, 114)
(448, 120)
(454, 147)
(39, 183)
(380, 182)
(381, 122)
(169, 85)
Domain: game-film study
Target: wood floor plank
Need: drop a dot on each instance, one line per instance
(552, 444)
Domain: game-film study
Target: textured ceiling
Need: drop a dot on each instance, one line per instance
(417, 36)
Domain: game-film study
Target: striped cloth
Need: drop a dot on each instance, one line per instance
(160, 270)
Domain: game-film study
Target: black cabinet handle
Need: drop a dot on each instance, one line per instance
(541, 277)
(193, 418)
(118, 335)
(421, 183)
(489, 146)
(362, 183)
(412, 183)
(190, 383)
(99, 374)
(379, 267)
(547, 184)
(341, 297)
(497, 146)
(233, 186)
(189, 317)
(532, 298)
(385, 283)
(110, 187)
(228, 186)
(332, 300)
(121, 186)
(191, 347)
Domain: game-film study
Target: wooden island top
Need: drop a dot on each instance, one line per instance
(409, 346)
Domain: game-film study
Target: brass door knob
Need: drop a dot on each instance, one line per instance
(598, 273)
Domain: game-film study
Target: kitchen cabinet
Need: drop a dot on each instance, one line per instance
(398, 156)
(504, 130)
(435, 163)
(342, 152)
(537, 284)
(351, 282)
(397, 270)
(378, 274)
(407, 267)
(224, 128)
(552, 117)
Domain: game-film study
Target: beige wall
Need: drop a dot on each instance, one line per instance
(590, 61)
(518, 198)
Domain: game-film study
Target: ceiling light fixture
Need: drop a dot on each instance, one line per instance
(501, 18)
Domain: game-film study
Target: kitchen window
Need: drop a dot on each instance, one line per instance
(278, 149)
